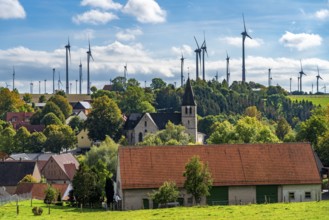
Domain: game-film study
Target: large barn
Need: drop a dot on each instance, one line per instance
(242, 173)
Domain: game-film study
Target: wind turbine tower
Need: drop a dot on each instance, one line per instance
(68, 51)
(290, 84)
(197, 57)
(244, 35)
(182, 70)
(53, 80)
(301, 73)
(31, 87)
(80, 78)
(89, 55)
(227, 69)
(13, 78)
(317, 80)
(269, 77)
(45, 86)
(125, 73)
(204, 50)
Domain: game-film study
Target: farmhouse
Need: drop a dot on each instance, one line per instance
(242, 173)
(140, 124)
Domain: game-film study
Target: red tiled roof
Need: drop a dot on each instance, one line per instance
(38, 189)
(236, 164)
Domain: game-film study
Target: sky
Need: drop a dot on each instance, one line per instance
(150, 36)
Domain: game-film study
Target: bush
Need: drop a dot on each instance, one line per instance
(37, 210)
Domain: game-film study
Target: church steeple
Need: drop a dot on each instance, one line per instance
(188, 97)
(189, 112)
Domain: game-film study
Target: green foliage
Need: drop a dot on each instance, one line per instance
(157, 83)
(42, 99)
(223, 132)
(104, 119)
(37, 210)
(118, 84)
(50, 194)
(51, 119)
(28, 179)
(36, 142)
(63, 104)
(52, 107)
(10, 102)
(168, 192)
(323, 148)
(283, 128)
(59, 138)
(76, 124)
(171, 135)
(7, 141)
(21, 139)
(198, 179)
(27, 98)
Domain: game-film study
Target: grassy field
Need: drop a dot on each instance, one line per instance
(305, 210)
(322, 100)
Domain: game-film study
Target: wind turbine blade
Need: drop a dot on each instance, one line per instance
(196, 42)
(248, 35)
(244, 23)
(301, 66)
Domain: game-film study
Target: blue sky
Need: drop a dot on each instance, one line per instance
(150, 35)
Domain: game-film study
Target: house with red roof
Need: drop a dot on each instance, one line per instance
(241, 173)
(60, 168)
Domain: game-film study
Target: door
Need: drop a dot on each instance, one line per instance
(218, 196)
(267, 194)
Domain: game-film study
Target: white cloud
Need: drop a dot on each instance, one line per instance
(146, 11)
(322, 14)
(104, 4)
(300, 41)
(94, 17)
(249, 43)
(11, 9)
(84, 34)
(128, 34)
(185, 49)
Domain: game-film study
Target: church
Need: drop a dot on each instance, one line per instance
(138, 125)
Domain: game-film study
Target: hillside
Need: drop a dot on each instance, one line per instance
(322, 100)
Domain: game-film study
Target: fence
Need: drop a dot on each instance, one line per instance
(14, 198)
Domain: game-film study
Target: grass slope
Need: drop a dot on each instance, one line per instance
(305, 210)
(322, 100)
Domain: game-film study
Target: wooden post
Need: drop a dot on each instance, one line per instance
(17, 207)
(81, 207)
(31, 201)
(49, 209)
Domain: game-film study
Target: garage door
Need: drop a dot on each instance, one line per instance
(218, 196)
(267, 194)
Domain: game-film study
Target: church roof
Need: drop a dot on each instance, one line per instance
(188, 97)
(161, 119)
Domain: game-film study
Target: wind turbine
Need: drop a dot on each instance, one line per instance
(88, 73)
(244, 35)
(290, 84)
(227, 69)
(197, 56)
(269, 77)
(13, 78)
(68, 51)
(325, 88)
(182, 70)
(317, 80)
(298, 84)
(31, 87)
(80, 77)
(53, 80)
(45, 86)
(7, 85)
(125, 73)
(204, 50)
(59, 81)
(216, 76)
(39, 87)
(301, 73)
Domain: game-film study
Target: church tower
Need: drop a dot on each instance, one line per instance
(189, 112)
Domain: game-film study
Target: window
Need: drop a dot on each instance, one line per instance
(190, 200)
(140, 137)
(185, 110)
(190, 111)
(145, 130)
(291, 196)
(145, 123)
(307, 195)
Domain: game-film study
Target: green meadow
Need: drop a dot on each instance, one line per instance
(322, 100)
(305, 210)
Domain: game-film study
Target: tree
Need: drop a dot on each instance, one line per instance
(42, 99)
(76, 124)
(22, 139)
(63, 104)
(52, 107)
(7, 143)
(59, 138)
(36, 142)
(223, 132)
(27, 98)
(50, 119)
(104, 119)
(198, 179)
(118, 84)
(252, 111)
(323, 149)
(50, 194)
(171, 135)
(28, 179)
(157, 83)
(84, 184)
(10, 102)
(36, 117)
(283, 128)
(168, 192)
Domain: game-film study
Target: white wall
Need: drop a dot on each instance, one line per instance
(299, 192)
(241, 195)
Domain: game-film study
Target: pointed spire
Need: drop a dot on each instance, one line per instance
(188, 97)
